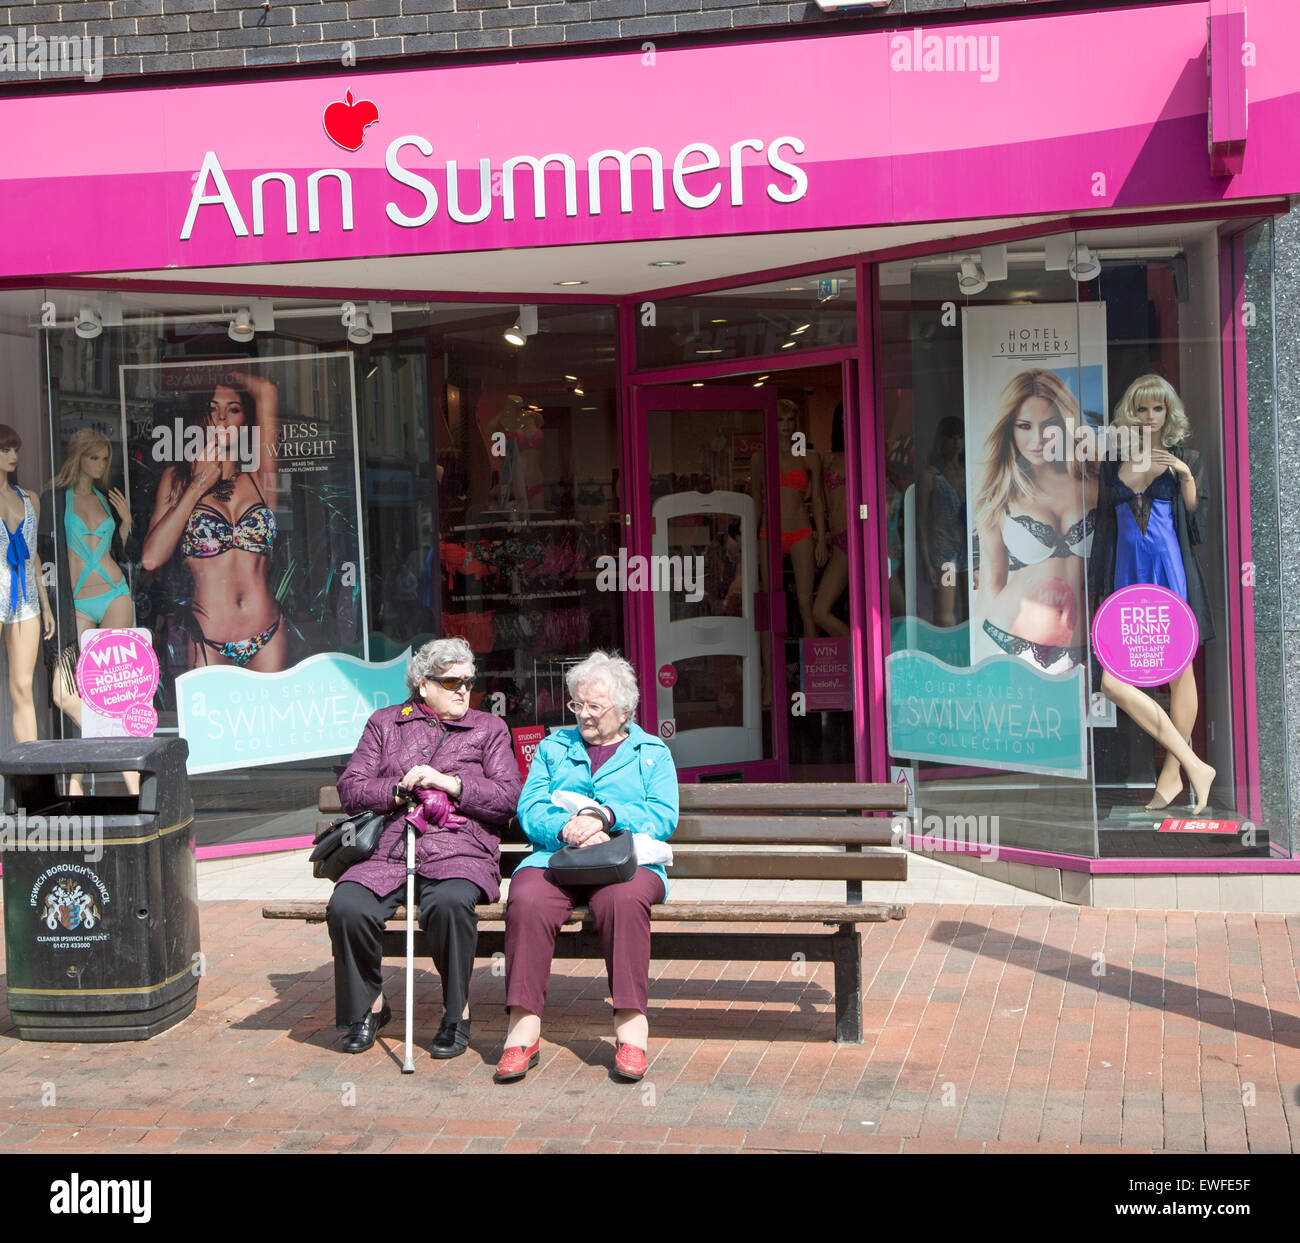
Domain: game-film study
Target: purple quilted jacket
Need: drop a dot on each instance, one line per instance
(477, 749)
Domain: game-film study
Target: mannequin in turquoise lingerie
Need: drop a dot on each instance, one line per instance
(85, 530)
(222, 521)
(24, 609)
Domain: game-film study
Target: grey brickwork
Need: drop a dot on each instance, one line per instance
(164, 36)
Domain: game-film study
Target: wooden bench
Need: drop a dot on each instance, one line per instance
(737, 832)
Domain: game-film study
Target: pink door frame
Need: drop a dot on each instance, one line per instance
(639, 609)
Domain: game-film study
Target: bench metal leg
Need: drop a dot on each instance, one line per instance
(847, 956)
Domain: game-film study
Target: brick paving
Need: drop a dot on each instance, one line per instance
(988, 1029)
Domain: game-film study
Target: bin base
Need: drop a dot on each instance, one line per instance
(103, 1028)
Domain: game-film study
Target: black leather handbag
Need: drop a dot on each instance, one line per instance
(606, 864)
(346, 841)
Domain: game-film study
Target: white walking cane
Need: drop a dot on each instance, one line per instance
(408, 1066)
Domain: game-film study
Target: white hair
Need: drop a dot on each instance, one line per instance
(435, 658)
(612, 670)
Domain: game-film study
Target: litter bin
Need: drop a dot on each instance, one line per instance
(100, 892)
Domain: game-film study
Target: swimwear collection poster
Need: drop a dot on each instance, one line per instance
(245, 488)
(1033, 377)
(1027, 595)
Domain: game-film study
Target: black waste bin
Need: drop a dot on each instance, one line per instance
(100, 893)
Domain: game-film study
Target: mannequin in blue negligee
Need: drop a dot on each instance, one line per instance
(1152, 509)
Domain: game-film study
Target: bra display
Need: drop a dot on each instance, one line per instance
(1031, 542)
(797, 478)
(209, 533)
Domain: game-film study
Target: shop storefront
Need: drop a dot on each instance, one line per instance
(811, 400)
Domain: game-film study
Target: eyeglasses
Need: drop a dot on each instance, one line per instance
(592, 710)
(455, 684)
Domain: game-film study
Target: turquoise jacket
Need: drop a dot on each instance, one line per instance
(638, 784)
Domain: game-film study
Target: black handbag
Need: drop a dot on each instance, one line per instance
(346, 841)
(606, 864)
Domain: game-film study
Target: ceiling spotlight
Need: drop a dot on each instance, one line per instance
(360, 331)
(971, 278)
(567, 283)
(523, 327)
(667, 263)
(242, 328)
(1083, 265)
(88, 324)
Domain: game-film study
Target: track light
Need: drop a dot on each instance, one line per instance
(523, 327)
(88, 324)
(248, 321)
(1083, 264)
(360, 331)
(971, 278)
(373, 319)
(242, 327)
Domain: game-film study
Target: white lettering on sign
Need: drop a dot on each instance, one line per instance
(788, 183)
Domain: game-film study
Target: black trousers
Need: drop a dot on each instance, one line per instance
(356, 919)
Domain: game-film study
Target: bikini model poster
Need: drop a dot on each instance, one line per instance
(246, 494)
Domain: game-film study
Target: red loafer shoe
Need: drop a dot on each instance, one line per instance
(515, 1063)
(630, 1062)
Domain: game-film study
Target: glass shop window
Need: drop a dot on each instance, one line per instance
(1056, 440)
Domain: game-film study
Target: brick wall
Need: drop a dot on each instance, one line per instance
(167, 36)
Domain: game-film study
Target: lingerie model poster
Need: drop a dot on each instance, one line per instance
(1035, 387)
(1034, 384)
(245, 490)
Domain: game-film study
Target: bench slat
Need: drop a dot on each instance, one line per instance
(756, 796)
(684, 912)
(815, 796)
(783, 865)
(758, 830)
(791, 830)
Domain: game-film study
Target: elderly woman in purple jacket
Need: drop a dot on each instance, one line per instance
(461, 765)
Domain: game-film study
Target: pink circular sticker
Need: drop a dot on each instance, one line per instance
(667, 675)
(140, 720)
(1145, 635)
(116, 670)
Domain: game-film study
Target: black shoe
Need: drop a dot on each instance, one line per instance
(362, 1035)
(452, 1039)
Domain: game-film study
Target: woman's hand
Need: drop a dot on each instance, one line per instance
(581, 829)
(118, 502)
(821, 552)
(595, 839)
(423, 776)
(48, 619)
(207, 467)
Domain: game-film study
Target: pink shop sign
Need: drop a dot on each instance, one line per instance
(826, 674)
(1144, 635)
(984, 119)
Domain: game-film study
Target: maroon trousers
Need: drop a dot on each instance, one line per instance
(538, 908)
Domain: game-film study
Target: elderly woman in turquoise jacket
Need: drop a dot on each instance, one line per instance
(608, 758)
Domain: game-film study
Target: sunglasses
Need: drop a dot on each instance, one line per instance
(454, 684)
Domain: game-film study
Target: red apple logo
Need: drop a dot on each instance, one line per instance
(345, 123)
